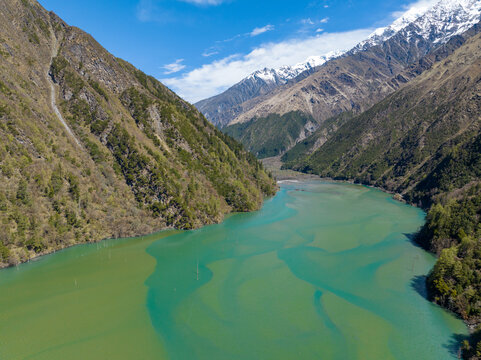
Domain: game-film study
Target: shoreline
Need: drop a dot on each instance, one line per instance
(274, 164)
(395, 196)
(292, 176)
(41, 255)
(38, 256)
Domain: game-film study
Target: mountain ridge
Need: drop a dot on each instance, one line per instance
(321, 135)
(358, 79)
(419, 31)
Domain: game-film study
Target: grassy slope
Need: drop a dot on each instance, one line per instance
(147, 160)
(317, 139)
(272, 135)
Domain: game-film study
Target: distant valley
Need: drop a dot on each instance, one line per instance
(400, 111)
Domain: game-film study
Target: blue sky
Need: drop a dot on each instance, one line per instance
(200, 47)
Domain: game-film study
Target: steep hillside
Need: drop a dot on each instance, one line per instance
(222, 108)
(401, 139)
(424, 143)
(314, 133)
(92, 148)
(314, 141)
(274, 134)
(326, 129)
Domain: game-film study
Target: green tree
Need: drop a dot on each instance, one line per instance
(22, 192)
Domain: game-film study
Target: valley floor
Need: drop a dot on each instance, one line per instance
(274, 164)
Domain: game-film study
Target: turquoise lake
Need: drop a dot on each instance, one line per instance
(322, 271)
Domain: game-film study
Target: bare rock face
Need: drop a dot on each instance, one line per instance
(353, 82)
(422, 142)
(327, 129)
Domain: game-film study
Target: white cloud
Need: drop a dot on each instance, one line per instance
(262, 30)
(414, 9)
(174, 67)
(307, 21)
(213, 78)
(231, 38)
(204, 2)
(144, 10)
(152, 10)
(209, 53)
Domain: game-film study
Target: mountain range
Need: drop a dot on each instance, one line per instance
(93, 148)
(353, 81)
(400, 111)
(422, 142)
(224, 108)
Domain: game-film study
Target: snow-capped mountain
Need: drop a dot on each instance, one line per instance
(221, 109)
(413, 35)
(436, 24)
(285, 73)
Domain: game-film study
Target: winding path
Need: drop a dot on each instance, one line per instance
(53, 98)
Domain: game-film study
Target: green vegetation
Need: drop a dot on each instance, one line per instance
(147, 160)
(4, 253)
(308, 145)
(270, 136)
(453, 229)
(96, 86)
(4, 89)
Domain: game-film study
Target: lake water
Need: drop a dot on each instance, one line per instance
(323, 271)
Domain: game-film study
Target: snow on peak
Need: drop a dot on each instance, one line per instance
(438, 22)
(313, 61)
(448, 18)
(268, 75)
(285, 73)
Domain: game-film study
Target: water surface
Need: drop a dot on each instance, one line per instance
(323, 271)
